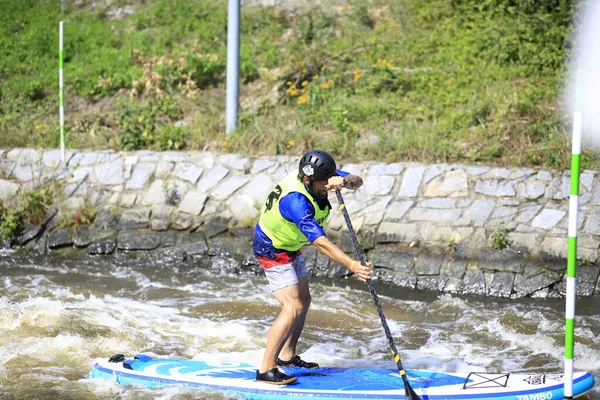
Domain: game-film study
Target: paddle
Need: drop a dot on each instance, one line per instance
(410, 393)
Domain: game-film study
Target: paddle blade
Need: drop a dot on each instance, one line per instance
(410, 393)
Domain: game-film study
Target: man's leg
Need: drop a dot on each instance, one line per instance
(289, 348)
(282, 327)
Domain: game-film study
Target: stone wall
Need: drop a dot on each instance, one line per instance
(431, 227)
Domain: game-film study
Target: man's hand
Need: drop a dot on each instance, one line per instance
(363, 273)
(353, 182)
(335, 183)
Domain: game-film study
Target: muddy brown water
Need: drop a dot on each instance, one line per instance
(59, 313)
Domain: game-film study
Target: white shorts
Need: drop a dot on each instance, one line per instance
(285, 275)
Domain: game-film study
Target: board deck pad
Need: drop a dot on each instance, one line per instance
(337, 383)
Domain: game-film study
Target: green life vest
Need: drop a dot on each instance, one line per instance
(284, 234)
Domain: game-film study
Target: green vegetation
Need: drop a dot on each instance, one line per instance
(83, 215)
(393, 80)
(500, 238)
(29, 207)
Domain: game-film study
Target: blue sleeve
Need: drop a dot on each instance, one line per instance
(341, 173)
(296, 208)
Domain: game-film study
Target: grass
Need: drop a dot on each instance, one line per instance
(394, 80)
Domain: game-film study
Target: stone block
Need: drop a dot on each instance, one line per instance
(396, 261)
(138, 218)
(454, 267)
(411, 181)
(8, 190)
(433, 215)
(502, 284)
(437, 202)
(496, 188)
(380, 185)
(243, 208)
(554, 246)
(127, 200)
(188, 172)
(192, 203)
(473, 282)
(428, 264)
(548, 218)
(528, 285)
(229, 187)
(181, 221)
(141, 176)
(397, 209)
(434, 283)
(60, 238)
(261, 165)
(83, 236)
(501, 260)
(524, 241)
(390, 232)
(110, 173)
(259, 188)
(450, 184)
(212, 178)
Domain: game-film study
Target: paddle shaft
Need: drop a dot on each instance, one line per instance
(410, 394)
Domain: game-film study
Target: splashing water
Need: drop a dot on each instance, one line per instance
(585, 63)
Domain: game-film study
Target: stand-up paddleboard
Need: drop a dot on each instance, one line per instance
(337, 383)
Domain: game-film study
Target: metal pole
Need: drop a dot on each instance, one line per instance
(233, 64)
(61, 89)
(572, 254)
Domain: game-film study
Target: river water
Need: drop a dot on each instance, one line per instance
(58, 313)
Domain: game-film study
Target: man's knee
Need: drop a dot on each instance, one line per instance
(295, 308)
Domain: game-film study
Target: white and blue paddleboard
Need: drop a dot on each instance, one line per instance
(337, 383)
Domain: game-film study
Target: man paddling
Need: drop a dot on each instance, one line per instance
(294, 214)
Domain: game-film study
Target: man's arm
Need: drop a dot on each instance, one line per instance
(326, 247)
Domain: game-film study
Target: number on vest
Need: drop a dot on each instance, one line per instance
(274, 195)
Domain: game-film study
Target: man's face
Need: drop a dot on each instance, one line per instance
(317, 187)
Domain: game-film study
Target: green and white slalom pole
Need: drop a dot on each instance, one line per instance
(61, 81)
(572, 255)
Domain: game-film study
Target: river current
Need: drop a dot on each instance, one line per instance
(58, 313)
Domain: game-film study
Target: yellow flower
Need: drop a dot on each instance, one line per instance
(315, 77)
(383, 63)
(303, 99)
(291, 143)
(327, 84)
(38, 127)
(304, 83)
(292, 91)
(289, 83)
(357, 76)
(323, 68)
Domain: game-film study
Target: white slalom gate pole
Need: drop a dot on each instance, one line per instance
(572, 252)
(233, 65)
(61, 80)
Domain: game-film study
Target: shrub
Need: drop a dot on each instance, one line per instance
(29, 207)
